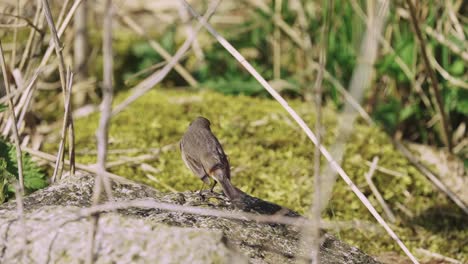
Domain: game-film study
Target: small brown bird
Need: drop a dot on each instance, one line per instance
(203, 154)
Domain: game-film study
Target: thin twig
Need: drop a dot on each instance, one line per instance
(19, 157)
(27, 22)
(303, 125)
(435, 84)
(376, 192)
(146, 85)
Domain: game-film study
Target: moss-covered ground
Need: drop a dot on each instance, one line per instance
(271, 158)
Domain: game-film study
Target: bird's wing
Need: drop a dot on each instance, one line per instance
(196, 167)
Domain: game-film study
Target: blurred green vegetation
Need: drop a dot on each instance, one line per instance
(34, 177)
(271, 159)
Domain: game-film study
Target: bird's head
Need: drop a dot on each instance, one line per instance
(201, 122)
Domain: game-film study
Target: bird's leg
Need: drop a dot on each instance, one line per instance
(200, 191)
(214, 184)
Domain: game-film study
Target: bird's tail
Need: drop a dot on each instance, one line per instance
(231, 192)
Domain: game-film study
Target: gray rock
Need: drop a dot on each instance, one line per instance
(56, 234)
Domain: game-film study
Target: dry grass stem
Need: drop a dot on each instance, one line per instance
(277, 43)
(148, 83)
(129, 161)
(63, 80)
(446, 42)
(375, 191)
(11, 107)
(452, 80)
(60, 154)
(430, 72)
(81, 42)
(385, 170)
(57, 45)
(303, 125)
(157, 47)
(32, 36)
(15, 37)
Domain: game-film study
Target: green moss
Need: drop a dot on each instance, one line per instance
(273, 160)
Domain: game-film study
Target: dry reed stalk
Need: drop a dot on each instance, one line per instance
(19, 157)
(434, 83)
(63, 81)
